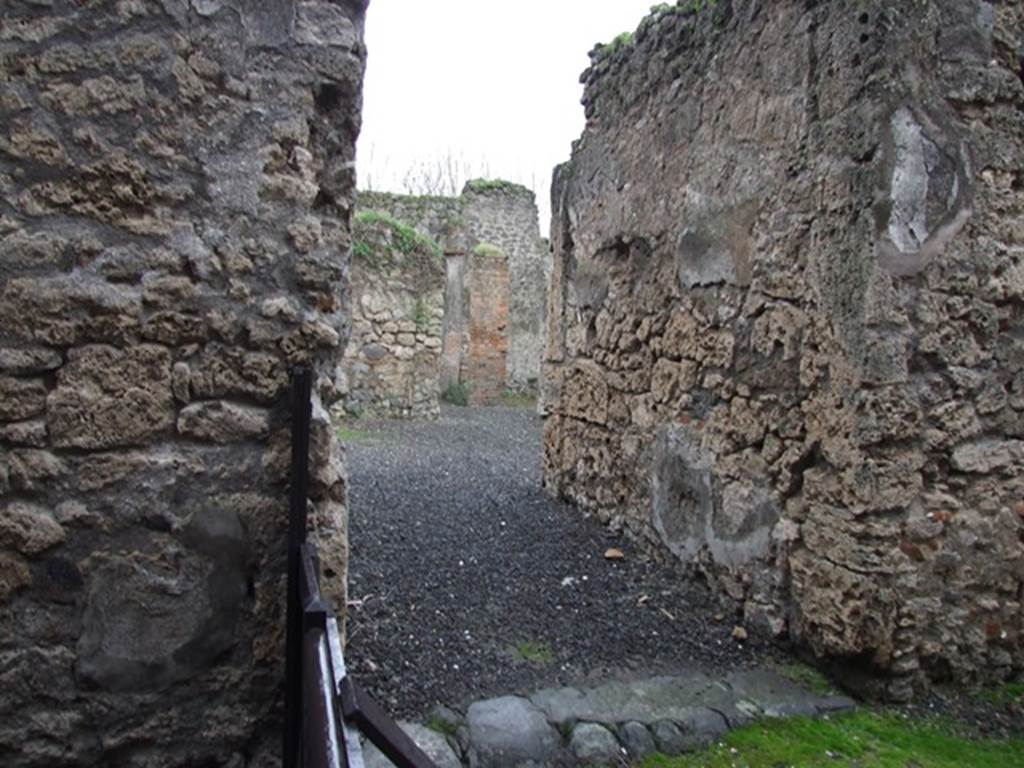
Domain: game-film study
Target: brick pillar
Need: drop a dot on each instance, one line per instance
(488, 327)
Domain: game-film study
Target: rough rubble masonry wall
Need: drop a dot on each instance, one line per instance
(786, 332)
(497, 213)
(393, 360)
(175, 190)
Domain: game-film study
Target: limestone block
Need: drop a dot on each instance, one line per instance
(109, 397)
(21, 398)
(228, 372)
(221, 421)
(29, 529)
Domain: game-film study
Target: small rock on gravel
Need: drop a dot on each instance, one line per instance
(591, 742)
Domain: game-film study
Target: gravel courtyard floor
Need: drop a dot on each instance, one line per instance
(467, 580)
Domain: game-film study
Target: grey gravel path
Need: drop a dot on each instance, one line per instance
(468, 581)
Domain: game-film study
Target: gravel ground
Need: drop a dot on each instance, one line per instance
(467, 580)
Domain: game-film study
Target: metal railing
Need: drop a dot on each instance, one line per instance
(324, 709)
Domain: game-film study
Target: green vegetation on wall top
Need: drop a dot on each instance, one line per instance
(495, 185)
(486, 250)
(404, 238)
(625, 39)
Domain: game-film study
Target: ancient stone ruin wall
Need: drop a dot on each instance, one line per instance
(175, 186)
(786, 321)
(496, 213)
(392, 362)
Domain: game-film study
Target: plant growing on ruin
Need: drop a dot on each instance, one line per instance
(456, 394)
(405, 239)
(362, 250)
(494, 185)
(420, 314)
(485, 250)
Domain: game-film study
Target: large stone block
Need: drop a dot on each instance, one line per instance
(108, 397)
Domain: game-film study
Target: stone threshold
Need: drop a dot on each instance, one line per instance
(611, 723)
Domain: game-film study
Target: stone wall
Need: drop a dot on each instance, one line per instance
(175, 186)
(496, 213)
(786, 321)
(392, 362)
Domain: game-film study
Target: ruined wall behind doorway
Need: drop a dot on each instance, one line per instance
(785, 321)
(175, 190)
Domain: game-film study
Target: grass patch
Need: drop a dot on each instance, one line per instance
(353, 435)
(456, 394)
(535, 653)
(440, 725)
(1001, 695)
(808, 677)
(864, 739)
(513, 399)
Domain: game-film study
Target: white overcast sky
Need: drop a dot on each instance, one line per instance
(491, 82)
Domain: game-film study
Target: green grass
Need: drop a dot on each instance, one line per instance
(807, 677)
(535, 653)
(440, 725)
(1001, 695)
(405, 239)
(495, 185)
(513, 399)
(352, 435)
(863, 739)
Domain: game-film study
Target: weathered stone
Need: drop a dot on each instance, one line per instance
(107, 397)
(21, 398)
(14, 576)
(150, 622)
(637, 740)
(592, 743)
(29, 529)
(223, 422)
(669, 738)
(988, 456)
(433, 744)
(509, 731)
(28, 360)
(30, 433)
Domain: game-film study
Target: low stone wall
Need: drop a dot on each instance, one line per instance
(785, 322)
(175, 189)
(392, 363)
